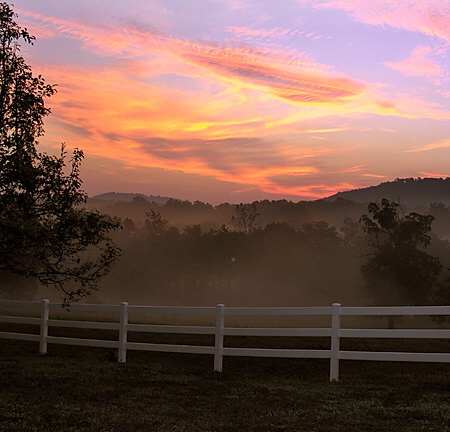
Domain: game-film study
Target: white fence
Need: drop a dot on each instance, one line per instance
(334, 332)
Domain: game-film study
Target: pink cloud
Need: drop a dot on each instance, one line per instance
(248, 33)
(103, 40)
(233, 124)
(301, 81)
(281, 74)
(420, 63)
(293, 78)
(431, 17)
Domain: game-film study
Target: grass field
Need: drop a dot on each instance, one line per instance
(84, 389)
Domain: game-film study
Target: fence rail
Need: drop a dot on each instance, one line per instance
(220, 312)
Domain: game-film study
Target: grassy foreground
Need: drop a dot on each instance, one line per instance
(83, 389)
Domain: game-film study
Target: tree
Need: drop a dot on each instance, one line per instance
(45, 233)
(246, 218)
(399, 270)
(156, 224)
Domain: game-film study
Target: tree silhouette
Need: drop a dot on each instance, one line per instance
(399, 270)
(246, 218)
(45, 233)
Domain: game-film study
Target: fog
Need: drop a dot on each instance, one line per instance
(194, 255)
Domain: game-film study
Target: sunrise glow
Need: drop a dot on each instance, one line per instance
(236, 100)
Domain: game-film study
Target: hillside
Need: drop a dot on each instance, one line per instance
(411, 192)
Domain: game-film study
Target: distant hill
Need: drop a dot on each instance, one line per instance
(128, 197)
(411, 191)
(412, 194)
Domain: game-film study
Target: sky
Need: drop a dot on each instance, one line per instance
(243, 100)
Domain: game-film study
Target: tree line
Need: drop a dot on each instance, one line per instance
(181, 213)
(385, 257)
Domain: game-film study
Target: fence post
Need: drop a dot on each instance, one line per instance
(335, 341)
(122, 350)
(218, 342)
(43, 333)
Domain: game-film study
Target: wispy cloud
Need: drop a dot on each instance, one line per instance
(248, 110)
(295, 81)
(432, 146)
(356, 168)
(248, 33)
(374, 175)
(430, 17)
(291, 77)
(434, 175)
(274, 33)
(421, 63)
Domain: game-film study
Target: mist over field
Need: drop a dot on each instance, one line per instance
(285, 254)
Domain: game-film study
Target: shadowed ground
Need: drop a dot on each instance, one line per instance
(84, 389)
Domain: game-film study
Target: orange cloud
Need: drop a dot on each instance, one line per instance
(355, 168)
(243, 73)
(163, 129)
(160, 129)
(294, 79)
(379, 101)
(374, 175)
(433, 146)
(312, 191)
(434, 175)
(232, 113)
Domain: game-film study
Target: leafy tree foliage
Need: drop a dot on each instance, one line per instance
(45, 233)
(399, 270)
